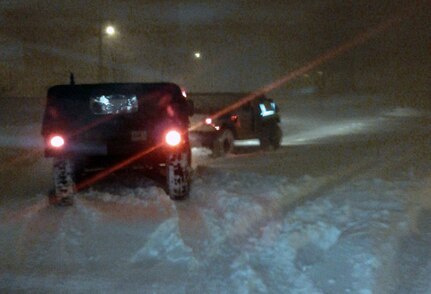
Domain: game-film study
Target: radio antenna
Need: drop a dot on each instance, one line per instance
(72, 79)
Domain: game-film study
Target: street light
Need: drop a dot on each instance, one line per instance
(197, 55)
(109, 31)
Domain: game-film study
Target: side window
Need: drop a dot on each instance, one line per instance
(267, 108)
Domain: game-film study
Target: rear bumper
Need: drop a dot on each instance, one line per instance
(108, 154)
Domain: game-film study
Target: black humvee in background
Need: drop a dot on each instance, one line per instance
(257, 119)
(107, 127)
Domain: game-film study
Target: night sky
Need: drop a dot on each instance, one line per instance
(243, 45)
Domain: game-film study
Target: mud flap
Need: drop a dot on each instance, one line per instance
(178, 175)
(64, 185)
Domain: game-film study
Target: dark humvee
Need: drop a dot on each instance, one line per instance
(107, 127)
(256, 119)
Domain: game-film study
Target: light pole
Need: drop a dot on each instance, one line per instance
(109, 31)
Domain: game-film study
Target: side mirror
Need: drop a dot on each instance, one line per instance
(190, 107)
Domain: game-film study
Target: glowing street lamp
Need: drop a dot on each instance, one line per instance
(197, 55)
(109, 31)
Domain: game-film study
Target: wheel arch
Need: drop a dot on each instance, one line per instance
(229, 126)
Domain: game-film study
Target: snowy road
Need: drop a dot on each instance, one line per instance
(343, 207)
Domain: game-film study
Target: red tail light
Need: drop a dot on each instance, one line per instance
(56, 141)
(173, 138)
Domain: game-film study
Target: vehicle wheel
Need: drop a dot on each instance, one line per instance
(64, 185)
(178, 175)
(271, 137)
(276, 135)
(224, 143)
(265, 144)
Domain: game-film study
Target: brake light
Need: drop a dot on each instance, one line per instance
(173, 138)
(57, 141)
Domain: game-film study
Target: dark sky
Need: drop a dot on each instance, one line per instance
(243, 44)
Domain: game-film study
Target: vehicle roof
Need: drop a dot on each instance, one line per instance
(109, 88)
(211, 101)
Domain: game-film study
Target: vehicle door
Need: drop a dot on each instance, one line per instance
(244, 121)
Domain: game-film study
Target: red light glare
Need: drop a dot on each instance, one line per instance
(208, 121)
(234, 118)
(173, 138)
(56, 141)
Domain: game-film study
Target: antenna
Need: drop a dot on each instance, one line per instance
(72, 79)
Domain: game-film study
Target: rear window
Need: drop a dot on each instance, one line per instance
(113, 104)
(77, 102)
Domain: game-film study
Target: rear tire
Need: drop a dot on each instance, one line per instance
(224, 143)
(178, 175)
(64, 184)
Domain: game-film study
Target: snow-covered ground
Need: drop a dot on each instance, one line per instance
(343, 207)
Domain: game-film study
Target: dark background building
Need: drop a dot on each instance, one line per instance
(243, 45)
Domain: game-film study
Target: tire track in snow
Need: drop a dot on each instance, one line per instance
(387, 162)
(36, 226)
(406, 252)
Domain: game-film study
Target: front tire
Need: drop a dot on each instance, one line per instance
(276, 137)
(271, 137)
(178, 175)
